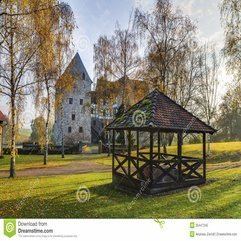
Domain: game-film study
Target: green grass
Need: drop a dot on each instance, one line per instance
(220, 152)
(36, 161)
(55, 196)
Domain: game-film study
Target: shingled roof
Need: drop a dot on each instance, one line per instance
(158, 111)
(2, 117)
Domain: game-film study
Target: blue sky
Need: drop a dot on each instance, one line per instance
(95, 18)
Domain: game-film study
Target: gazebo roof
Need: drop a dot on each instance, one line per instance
(158, 111)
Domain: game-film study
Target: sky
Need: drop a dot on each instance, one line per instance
(99, 17)
(95, 18)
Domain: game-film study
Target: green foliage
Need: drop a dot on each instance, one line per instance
(120, 138)
(38, 130)
(229, 121)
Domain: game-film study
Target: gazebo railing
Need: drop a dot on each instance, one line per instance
(162, 169)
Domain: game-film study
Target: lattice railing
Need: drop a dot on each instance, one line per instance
(164, 168)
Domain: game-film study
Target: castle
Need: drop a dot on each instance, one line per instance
(84, 112)
(75, 117)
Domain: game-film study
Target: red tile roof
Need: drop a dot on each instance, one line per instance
(158, 111)
(2, 117)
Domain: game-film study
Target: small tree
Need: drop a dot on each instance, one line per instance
(38, 131)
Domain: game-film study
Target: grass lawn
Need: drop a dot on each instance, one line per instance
(36, 161)
(55, 196)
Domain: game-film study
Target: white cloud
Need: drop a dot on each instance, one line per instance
(142, 3)
(216, 38)
(190, 8)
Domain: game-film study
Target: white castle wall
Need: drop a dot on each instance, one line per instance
(82, 113)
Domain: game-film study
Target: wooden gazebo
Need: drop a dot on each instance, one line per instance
(151, 170)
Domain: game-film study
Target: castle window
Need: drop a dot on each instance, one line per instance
(70, 101)
(81, 101)
(69, 129)
(80, 129)
(83, 76)
(73, 117)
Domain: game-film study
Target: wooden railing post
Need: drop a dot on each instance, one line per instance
(151, 157)
(179, 154)
(137, 146)
(129, 152)
(204, 156)
(113, 151)
(159, 145)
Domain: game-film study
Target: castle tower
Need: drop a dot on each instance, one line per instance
(76, 114)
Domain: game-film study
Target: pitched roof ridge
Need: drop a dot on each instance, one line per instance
(154, 93)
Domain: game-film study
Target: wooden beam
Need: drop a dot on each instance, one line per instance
(129, 152)
(113, 151)
(151, 157)
(137, 146)
(159, 145)
(179, 154)
(204, 156)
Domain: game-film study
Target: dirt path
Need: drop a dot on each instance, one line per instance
(72, 168)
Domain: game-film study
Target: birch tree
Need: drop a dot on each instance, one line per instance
(169, 38)
(20, 44)
(18, 47)
(54, 30)
(167, 34)
(207, 97)
(231, 21)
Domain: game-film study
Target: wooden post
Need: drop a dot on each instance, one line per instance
(129, 152)
(179, 154)
(100, 147)
(137, 146)
(159, 145)
(204, 156)
(113, 151)
(151, 156)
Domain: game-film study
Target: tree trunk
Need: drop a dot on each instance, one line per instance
(13, 143)
(47, 127)
(46, 142)
(62, 133)
(13, 108)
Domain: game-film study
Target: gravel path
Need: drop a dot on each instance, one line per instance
(76, 167)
